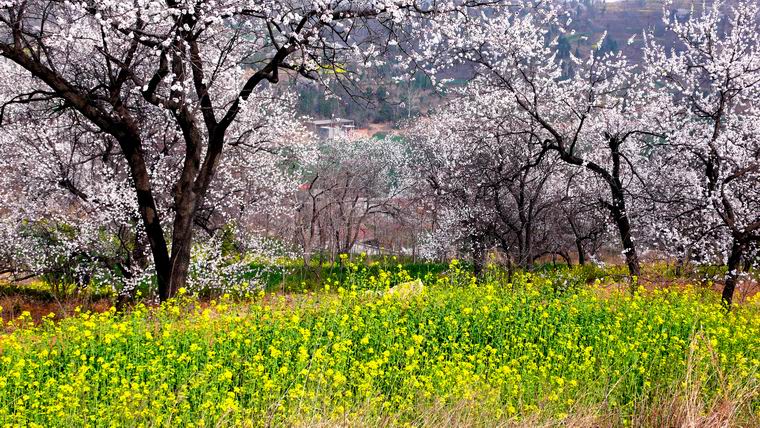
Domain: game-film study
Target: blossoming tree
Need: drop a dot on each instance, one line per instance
(602, 118)
(142, 76)
(712, 78)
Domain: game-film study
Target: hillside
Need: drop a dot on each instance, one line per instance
(381, 100)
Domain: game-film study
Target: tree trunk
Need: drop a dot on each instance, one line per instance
(148, 212)
(734, 259)
(189, 193)
(182, 240)
(581, 252)
(520, 250)
(682, 263)
(617, 207)
(565, 257)
(620, 213)
(528, 247)
(624, 228)
(478, 256)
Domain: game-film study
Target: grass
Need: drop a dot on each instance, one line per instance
(295, 276)
(461, 352)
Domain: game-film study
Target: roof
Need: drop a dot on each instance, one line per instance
(324, 122)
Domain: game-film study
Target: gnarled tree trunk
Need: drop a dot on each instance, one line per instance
(734, 260)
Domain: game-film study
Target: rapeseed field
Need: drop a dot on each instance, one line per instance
(458, 351)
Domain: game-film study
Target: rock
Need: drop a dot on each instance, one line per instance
(407, 289)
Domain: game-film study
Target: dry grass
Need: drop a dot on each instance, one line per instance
(682, 410)
(15, 304)
(683, 407)
(686, 406)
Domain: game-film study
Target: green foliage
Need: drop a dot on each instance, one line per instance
(293, 276)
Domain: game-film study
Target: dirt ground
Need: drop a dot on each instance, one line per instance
(14, 305)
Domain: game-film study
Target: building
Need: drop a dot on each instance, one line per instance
(332, 128)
